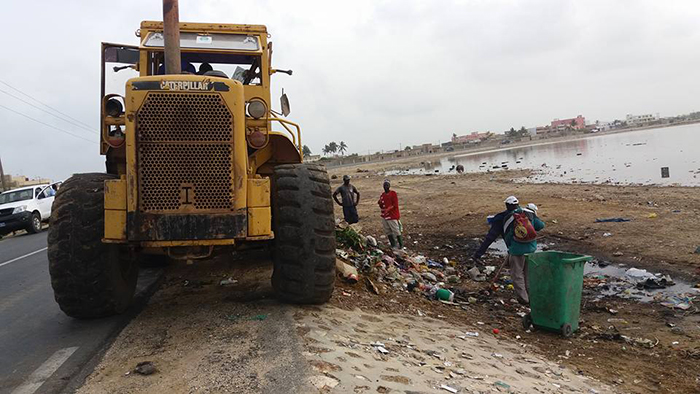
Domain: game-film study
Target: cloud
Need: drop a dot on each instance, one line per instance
(375, 74)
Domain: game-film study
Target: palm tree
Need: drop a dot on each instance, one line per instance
(326, 150)
(332, 147)
(306, 151)
(342, 148)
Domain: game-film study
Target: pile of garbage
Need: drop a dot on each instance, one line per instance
(404, 270)
(640, 285)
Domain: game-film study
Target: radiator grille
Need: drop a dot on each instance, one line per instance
(185, 139)
(184, 117)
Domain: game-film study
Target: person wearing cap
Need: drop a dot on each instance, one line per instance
(391, 218)
(349, 203)
(503, 225)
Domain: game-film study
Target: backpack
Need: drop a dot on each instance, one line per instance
(523, 230)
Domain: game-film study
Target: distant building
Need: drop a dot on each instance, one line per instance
(427, 148)
(312, 158)
(15, 181)
(602, 126)
(577, 123)
(636, 120)
(470, 138)
(543, 130)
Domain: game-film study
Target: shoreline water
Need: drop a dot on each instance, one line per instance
(630, 158)
(492, 149)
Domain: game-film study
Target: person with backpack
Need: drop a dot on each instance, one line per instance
(518, 227)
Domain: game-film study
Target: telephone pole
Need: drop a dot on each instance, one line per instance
(2, 178)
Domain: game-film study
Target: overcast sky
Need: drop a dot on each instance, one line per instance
(375, 74)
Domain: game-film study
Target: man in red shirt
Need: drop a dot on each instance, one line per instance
(391, 218)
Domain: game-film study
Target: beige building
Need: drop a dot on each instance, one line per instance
(15, 181)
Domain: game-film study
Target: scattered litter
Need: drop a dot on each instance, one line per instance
(371, 240)
(638, 274)
(145, 368)
(445, 295)
(647, 343)
(448, 388)
(612, 220)
(652, 215)
(371, 286)
(496, 331)
(679, 302)
(346, 271)
(498, 383)
(607, 234)
(258, 317)
(471, 334)
(476, 275)
(228, 282)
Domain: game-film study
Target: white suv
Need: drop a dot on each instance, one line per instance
(26, 208)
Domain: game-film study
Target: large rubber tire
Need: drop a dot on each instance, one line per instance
(89, 278)
(304, 226)
(34, 225)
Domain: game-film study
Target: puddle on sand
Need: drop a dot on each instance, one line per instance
(615, 282)
(618, 284)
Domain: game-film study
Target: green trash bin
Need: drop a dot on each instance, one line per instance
(555, 281)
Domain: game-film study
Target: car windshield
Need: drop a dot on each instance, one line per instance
(18, 195)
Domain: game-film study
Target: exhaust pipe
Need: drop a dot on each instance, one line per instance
(171, 35)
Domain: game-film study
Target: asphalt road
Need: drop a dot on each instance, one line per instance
(41, 349)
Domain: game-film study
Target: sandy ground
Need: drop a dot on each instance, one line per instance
(444, 216)
(455, 207)
(207, 338)
(422, 354)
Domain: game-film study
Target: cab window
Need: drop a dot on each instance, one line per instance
(243, 68)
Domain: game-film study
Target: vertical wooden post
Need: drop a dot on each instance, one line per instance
(171, 35)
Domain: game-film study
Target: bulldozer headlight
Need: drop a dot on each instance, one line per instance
(113, 107)
(257, 109)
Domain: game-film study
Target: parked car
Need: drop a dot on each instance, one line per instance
(26, 208)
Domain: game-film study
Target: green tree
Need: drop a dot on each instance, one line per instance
(326, 150)
(511, 133)
(306, 151)
(332, 147)
(523, 131)
(342, 148)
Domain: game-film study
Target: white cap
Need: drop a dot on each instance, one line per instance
(532, 206)
(512, 200)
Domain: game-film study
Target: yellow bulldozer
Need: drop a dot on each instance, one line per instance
(194, 168)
